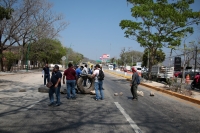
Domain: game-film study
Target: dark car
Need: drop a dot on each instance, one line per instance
(191, 74)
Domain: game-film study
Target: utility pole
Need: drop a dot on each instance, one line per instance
(148, 61)
(195, 63)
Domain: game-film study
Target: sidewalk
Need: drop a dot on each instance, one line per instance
(195, 97)
(18, 72)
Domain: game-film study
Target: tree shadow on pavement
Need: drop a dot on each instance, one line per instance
(77, 116)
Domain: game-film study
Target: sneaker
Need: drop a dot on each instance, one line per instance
(96, 99)
(50, 104)
(135, 99)
(73, 98)
(57, 104)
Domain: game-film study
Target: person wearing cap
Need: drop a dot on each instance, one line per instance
(55, 88)
(70, 75)
(134, 84)
(98, 83)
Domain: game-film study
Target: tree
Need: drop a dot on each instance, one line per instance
(74, 56)
(31, 20)
(5, 13)
(159, 57)
(47, 51)
(10, 58)
(162, 24)
(123, 56)
(133, 57)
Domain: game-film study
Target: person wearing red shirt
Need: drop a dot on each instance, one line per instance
(70, 75)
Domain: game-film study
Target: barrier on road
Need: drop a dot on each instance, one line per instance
(187, 98)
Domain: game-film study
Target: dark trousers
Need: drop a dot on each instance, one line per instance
(134, 91)
(46, 77)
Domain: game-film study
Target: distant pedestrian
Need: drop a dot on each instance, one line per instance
(98, 83)
(85, 71)
(70, 75)
(134, 84)
(56, 80)
(46, 73)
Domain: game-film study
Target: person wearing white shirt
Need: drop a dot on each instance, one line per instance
(98, 83)
(85, 71)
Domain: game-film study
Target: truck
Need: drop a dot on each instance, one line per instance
(161, 73)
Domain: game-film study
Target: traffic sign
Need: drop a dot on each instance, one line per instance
(63, 58)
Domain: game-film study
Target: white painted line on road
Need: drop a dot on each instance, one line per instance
(128, 118)
(30, 106)
(27, 108)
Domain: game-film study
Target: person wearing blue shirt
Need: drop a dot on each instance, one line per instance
(78, 71)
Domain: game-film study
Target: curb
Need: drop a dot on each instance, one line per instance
(187, 98)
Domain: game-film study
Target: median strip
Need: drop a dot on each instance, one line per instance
(187, 98)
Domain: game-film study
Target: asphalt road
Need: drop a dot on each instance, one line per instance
(114, 114)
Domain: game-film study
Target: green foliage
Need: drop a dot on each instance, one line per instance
(159, 23)
(159, 57)
(10, 58)
(130, 57)
(5, 13)
(74, 56)
(47, 51)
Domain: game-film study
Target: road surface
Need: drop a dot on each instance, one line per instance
(28, 111)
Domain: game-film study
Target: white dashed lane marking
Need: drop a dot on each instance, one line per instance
(128, 118)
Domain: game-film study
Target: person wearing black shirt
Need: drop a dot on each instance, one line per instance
(55, 88)
(46, 74)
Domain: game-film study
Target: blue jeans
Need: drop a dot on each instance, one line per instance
(46, 77)
(53, 90)
(71, 88)
(58, 95)
(98, 87)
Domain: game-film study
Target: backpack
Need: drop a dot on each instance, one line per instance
(101, 75)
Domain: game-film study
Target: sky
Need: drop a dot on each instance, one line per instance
(94, 26)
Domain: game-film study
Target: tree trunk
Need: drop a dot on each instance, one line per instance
(1, 62)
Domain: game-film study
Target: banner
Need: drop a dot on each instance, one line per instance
(177, 64)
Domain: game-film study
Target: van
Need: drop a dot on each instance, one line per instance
(138, 68)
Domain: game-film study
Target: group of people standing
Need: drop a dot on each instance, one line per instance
(70, 77)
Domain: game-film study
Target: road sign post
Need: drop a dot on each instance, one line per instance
(63, 59)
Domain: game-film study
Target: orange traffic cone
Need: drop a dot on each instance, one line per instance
(187, 79)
